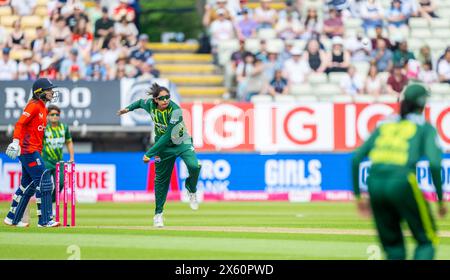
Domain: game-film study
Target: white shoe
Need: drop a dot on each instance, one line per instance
(9, 222)
(193, 202)
(158, 220)
(51, 223)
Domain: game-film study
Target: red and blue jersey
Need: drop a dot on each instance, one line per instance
(31, 126)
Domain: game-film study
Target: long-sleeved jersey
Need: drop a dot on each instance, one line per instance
(31, 126)
(170, 129)
(55, 138)
(396, 146)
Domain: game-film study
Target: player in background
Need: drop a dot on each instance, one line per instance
(27, 145)
(56, 135)
(171, 141)
(394, 149)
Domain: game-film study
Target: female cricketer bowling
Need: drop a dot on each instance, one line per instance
(394, 149)
(172, 140)
(27, 145)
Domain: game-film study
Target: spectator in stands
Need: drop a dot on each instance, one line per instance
(246, 27)
(272, 63)
(351, 83)
(37, 44)
(82, 38)
(290, 9)
(402, 54)
(72, 67)
(46, 51)
(113, 52)
(249, 75)
(372, 14)
(354, 9)
(427, 74)
(117, 71)
(359, 47)
(4, 36)
(60, 31)
(339, 58)
(410, 8)
(48, 68)
(211, 15)
(412, 69)
(8, 67)
(265, 16)
(127, 32)
(278, 85)
(23, 7)
(142, 53)
(4, 2)
(373, 84)
(333, 26)
(124, 9)
(397, 80)
(382, 57)
(296, 70)
(77, 15)
(424, 55)
(396, 18)
(104, 26)
(237, 10)
(315, 56)
(379, 35)
(28, 69)
(17, 37)
(286, 53)
(427, 9)
(262, 54)
(221, 29)
(312, 24)
(444, 67)
(148, 71)
(50, 21)
(96, 71)
(289, 28)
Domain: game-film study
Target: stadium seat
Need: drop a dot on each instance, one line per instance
(352, 23)
(362, 67)
(284, 98)
(386, 98)
(317, 78)
(31, 21)
(360, 98)
(326, 98)
(41, 11)
(440, 23)
(5, 11)
(41, 2)
(440, 88)
(421, 33)
(306, 98)
(304, 89)
(443, 33)
(342, 98)
(267, 34)
(436, 44)
(30, 33)
(418, 22)
(252, 45)
(261, 98)
(225, 49)
(326, 43)
(19, 54)
(443, 12)
(327, 89)
(436, 98)
(276, 45)
(336, 77)
(7, 21)
(415, 44)
(299, 44)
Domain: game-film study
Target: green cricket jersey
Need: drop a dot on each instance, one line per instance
(396, 146)
(54, 140)
(170, 130)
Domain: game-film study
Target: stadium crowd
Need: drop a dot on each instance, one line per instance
(73, 42)
(318, 42)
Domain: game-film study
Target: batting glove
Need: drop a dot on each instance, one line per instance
(13, 150)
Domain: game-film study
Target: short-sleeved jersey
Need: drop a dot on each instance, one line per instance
(31, 126)
(54, 140)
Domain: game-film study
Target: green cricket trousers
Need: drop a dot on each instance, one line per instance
(164, 170)
(395, 198)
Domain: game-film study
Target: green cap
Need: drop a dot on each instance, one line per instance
(416, 93)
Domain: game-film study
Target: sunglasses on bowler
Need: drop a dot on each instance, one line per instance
(161, 98)
(54, 115)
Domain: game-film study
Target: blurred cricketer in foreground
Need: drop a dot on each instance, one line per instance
(394, 149)
(172, 140)
(27, 145)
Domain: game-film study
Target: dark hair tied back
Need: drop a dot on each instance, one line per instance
(156, 89)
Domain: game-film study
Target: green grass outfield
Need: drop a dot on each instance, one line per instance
(219, 230)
